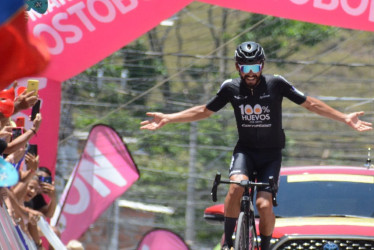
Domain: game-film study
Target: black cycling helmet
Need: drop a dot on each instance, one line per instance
(249, 52)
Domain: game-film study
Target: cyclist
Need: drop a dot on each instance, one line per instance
(256, 99)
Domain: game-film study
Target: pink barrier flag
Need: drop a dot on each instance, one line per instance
(162, 239)
(105, 171)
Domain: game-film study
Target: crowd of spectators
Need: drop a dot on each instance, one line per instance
(33, 195)
(27, 190)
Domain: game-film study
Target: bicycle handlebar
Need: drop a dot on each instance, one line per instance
(245, 183)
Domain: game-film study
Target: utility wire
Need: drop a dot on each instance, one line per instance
(273, 60)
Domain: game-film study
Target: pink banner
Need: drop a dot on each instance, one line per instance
(162, 239)
(105, 171)
(80, 33)
(352, 14)
(47, 136)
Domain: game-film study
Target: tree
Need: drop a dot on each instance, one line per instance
(283, 37)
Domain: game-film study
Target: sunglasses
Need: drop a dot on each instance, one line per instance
(247, 68)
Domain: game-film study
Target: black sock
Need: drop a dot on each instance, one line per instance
(230, 224)
(265, 242)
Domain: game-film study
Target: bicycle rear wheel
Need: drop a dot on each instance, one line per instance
(242, 234)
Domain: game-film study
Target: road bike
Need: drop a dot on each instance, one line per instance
(246, 235)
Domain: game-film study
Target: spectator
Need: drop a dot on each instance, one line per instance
(25, 217)
(47, 187)
(38, 202)
(33, 215)
(24, 191)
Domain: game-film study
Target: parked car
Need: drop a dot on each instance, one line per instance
(321, 207)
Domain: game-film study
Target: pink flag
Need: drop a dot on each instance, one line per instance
(162, 239)
(105, 171)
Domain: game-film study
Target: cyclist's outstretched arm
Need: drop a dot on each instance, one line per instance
(352, 119)
(189, 115)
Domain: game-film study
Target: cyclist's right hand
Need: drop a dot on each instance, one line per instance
(159, 120)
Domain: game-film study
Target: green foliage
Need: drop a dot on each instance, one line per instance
(276, 34)
(85, 121)
(141, 66)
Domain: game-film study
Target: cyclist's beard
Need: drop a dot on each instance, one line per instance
(250, 80)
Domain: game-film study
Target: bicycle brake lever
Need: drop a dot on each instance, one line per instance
(273, 190)
(215, 185)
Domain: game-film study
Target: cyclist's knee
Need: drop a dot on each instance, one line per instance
(235, 191)
(263, 206)
(264, 202)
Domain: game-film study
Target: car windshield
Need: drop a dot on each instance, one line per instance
(325, 198)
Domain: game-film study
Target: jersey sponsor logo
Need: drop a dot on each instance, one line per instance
(257, 113)
(256, 125)
(264, 96)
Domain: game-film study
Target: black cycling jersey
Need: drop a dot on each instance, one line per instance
(258, 110)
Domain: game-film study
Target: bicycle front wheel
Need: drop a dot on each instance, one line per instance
(242, 234)
(251, 236)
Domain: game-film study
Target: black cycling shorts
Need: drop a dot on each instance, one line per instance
(265, 162)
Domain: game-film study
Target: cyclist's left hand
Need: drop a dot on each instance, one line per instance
(353, 121)
(158, 121)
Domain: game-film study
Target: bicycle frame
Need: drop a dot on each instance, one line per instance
(246, 216)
